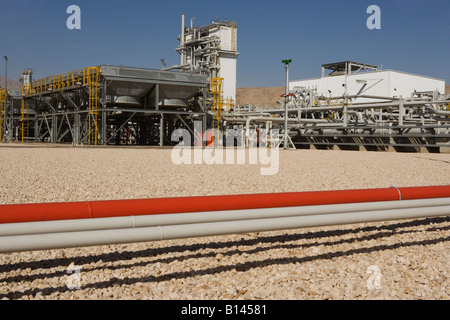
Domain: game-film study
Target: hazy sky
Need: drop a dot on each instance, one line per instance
(414, 35)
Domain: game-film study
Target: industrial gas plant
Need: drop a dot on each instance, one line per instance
(352, 105)
(212, 186)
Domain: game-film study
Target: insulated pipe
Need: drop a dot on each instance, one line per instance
(443, 112)
(14, 213)
(180, 66)
(105, 237)
(361, 106)
(274, 119)
(330, 129)
(358, 96)
(14, 229)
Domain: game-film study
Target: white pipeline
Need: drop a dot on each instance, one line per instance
(179, 231)
(14, 229)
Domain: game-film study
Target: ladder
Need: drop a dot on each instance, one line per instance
(93, 76)
(216, 107)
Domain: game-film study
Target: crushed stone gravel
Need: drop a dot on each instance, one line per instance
(406, 259)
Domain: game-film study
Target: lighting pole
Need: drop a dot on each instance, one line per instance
(286, 95)
(6, 96)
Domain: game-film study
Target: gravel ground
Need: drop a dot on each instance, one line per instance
(406, 259)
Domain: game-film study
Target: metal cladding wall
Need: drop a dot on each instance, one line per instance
(227, 60)
(385, 83)
(228, 73)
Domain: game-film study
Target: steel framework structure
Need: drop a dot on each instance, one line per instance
(107, 104)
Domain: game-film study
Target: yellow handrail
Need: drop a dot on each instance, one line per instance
(68, 80)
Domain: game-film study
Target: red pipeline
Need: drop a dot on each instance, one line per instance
(113, 208)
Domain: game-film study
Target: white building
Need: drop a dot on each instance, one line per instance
(368, 80)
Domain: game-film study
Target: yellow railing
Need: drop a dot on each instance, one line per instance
(63, 81)
(229, 103)
(233, 38)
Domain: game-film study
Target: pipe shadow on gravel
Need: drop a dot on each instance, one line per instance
(128, 255)
(382, 232)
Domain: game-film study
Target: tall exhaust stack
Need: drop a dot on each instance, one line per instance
(182, 41)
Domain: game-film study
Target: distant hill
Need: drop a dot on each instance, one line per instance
(12, 84)
(268, 96)
(259, 96)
